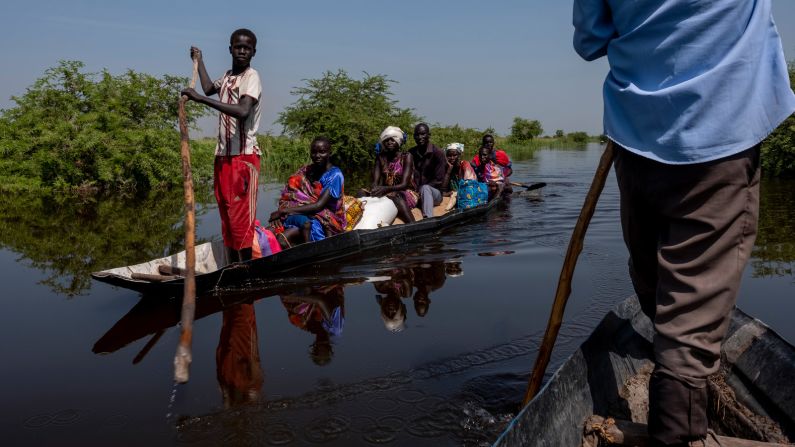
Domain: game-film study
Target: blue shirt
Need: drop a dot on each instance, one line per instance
(333, 181)
(689, 81)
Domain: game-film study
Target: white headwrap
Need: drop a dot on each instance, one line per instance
(392, 132)
(455, 147)
(397, 322)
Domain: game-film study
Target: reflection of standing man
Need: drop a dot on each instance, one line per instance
(238, 366)
(693, 88)
(430, 165)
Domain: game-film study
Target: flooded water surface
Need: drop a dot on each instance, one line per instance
(428, 343)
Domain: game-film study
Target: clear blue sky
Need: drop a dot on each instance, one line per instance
(470, 62)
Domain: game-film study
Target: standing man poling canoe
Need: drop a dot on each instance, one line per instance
(237, 154)
(693, 88)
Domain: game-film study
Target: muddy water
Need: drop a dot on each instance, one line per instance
(424, 344)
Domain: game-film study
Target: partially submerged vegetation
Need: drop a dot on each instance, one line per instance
(68, 238)
(78, 132)
(778, 150)
(73, 130)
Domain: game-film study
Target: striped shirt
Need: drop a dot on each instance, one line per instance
(236, 137)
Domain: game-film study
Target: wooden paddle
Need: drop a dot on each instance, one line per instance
(529, 187)
(567, 272)
(182, 358)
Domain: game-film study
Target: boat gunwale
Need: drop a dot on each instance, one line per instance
(749, 341)
(331, 248)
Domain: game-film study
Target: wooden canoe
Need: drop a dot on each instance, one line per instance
(752, 397)
(213, 272)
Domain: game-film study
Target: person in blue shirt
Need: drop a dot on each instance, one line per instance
(693, 89)
(311, 205)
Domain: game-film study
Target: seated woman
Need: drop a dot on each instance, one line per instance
(457, 169)
(490, 172)
(310, 207)
(393, 173)
(498, 155)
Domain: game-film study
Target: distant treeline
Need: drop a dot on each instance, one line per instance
(74, 131)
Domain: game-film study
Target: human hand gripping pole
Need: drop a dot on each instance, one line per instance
(182, 358)
(567, 272)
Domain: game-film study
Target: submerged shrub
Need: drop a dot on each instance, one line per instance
(778, 149)
(78, 130)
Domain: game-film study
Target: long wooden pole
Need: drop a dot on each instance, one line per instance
(567, 272)
(183, 357)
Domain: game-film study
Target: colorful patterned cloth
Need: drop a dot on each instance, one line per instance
(472, 193)
(392, 172)
(502, 159)
(265, 243)
(493, 173)
(300, 190)
(308, 315)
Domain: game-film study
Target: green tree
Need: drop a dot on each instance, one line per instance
(73, 129)
(778, 149)
(351, 113)
(559, 133)
(470, 138)
(524, 130)
(578, 137)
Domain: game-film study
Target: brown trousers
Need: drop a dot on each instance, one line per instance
(689, 230)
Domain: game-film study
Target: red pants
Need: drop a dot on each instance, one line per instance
(235, 184)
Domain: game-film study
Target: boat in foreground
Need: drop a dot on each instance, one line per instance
(752, 396)
(214, 272)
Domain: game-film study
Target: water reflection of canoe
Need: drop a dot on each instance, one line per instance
(752, 397)
(213, 271)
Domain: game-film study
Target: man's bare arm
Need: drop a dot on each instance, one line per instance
(241, 110)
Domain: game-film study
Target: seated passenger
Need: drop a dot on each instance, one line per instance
(490, 172)
(310, 207)
(393, 174)
(498, 155)
(457, 169)
(429, 168)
